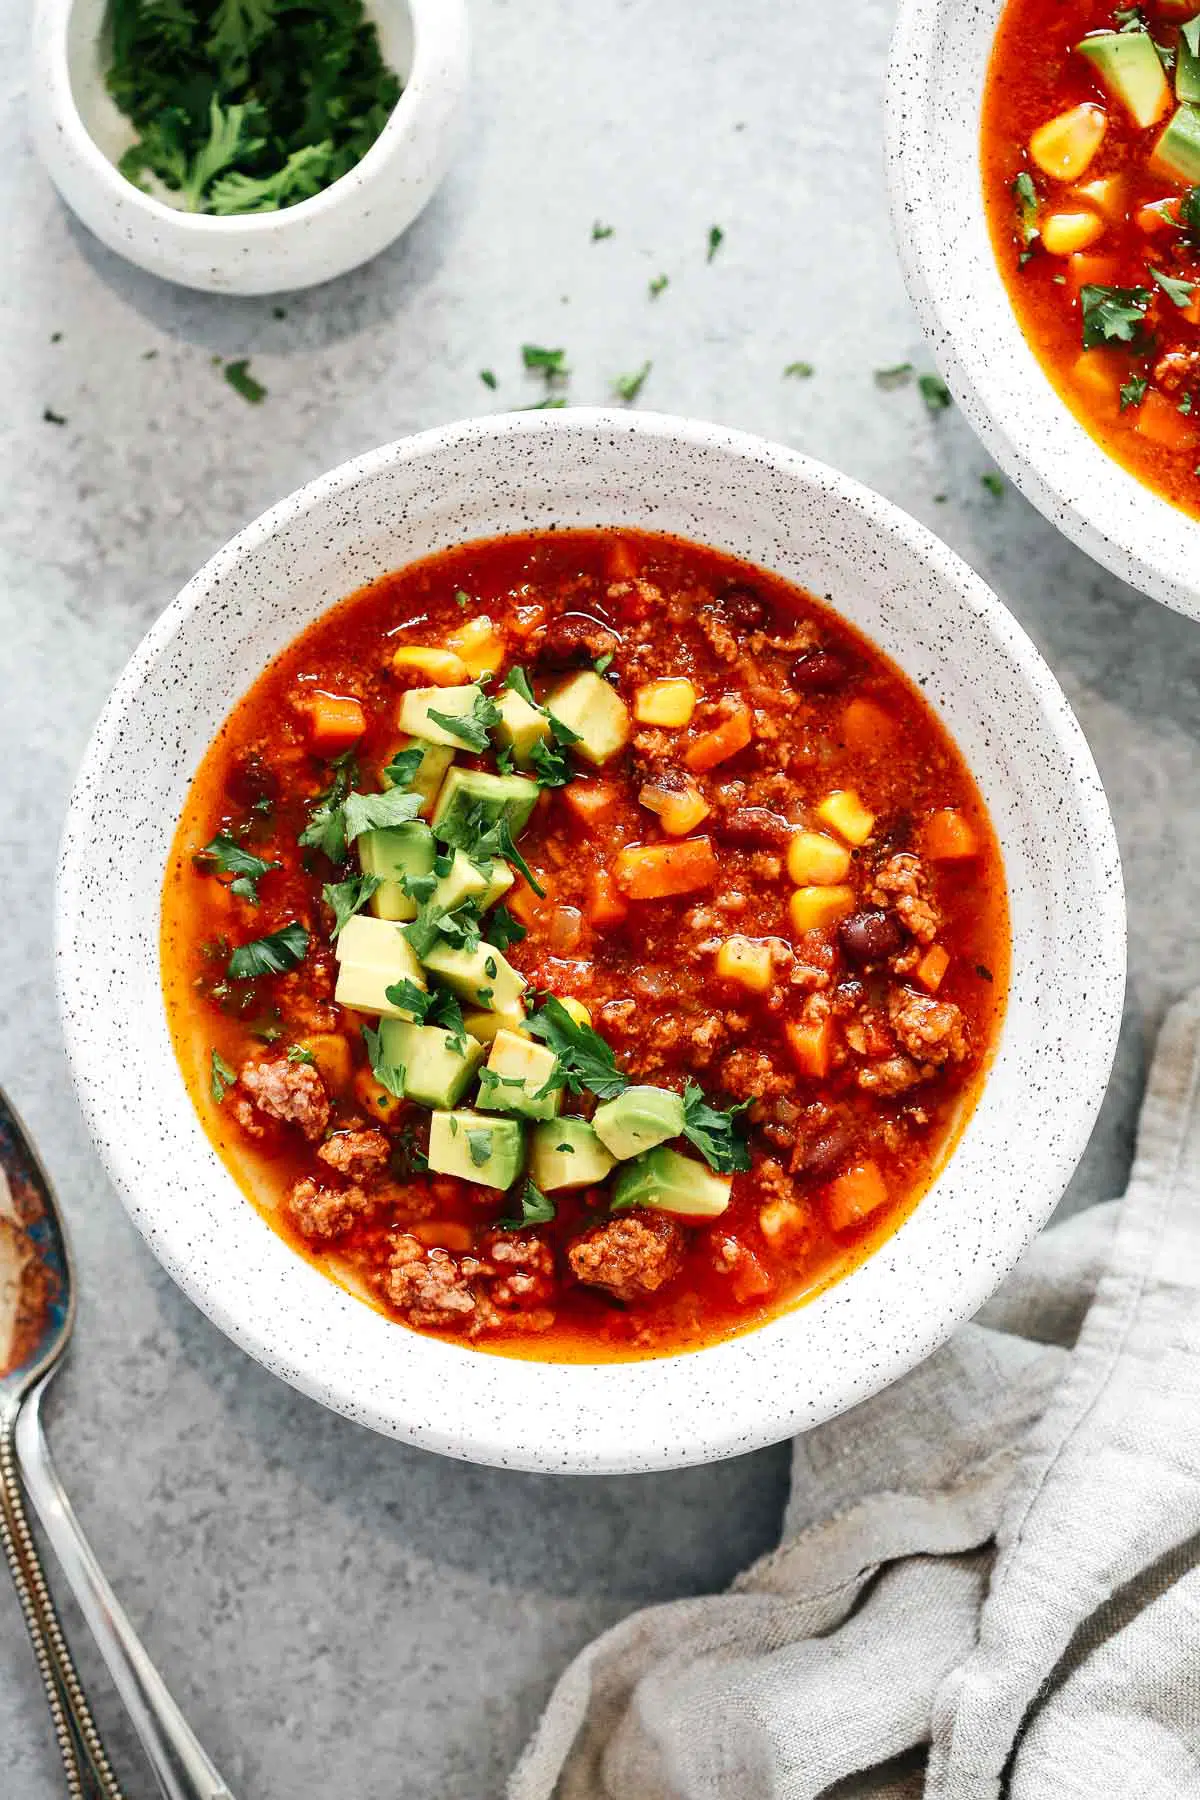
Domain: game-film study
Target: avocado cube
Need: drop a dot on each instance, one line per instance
(476, 1147)
(1127, 63)
(486, 1025)
(521, 725)
(454, 702)
(499, 882)
(637, 1120)
(465, 789)
(596, 714)
(374, 954)
(665, 1181)
(1177, 152)
(1187, 66)
(436, 1071)
(516, 1071)
(483, 976)
(566, 1153)
(463, 882)
(430, 772)
(391, 853)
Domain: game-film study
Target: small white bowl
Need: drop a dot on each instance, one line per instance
(935, 82)
(79, 135)
(886, 574)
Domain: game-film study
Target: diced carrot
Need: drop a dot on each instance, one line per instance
(680, 808)
(376, 1101)
(335, 722)
(1161, 421)
(523, 903)
(654, 871)
(1085, 271)
(932, 967)
(854, 1195)
(443, 1234)
(589, 800)
(1099, 373)
(948, 836)
(722, 742)
(866, 726)
(605, 905)
(811, 1046)
(1158, 216)
(750, 1280)
(1191, 312)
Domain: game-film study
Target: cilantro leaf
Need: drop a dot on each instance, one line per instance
(993, 483)
(403, 767)
(238, 375)
(459, 928)
(800, 370)
(550, 363)
(221, 1076)
(895, 376)
(488, 378)
(227, 857)
(479, 1144)
(658, 286)
(1112, 314)
(585, 1060)
(304, 174)
(628, 387)
(600, 231)
(713, 1131)
(536, 1209)
(473, 729)
(406, 994)
(1180, 292)
(273, 954)
(518, 681)
(1133, 391)
(485, 837)
(237, 26)
(376, 812)
(300, 1053)
(388, 1075)
(502, 929)
(1028, 207)
(348, 897)
(326, 828)
(716, 237)
(934, 393)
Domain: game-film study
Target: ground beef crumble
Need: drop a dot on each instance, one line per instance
(629, 1257)
(291, 1092)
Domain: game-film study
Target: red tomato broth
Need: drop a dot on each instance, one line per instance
(649, 986)
(1035, 74)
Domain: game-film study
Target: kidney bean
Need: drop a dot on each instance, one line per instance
(752, 825)
(823, 1155)
(819, 672)
(251, 781)
(742, 607)
(574, 639)
(869, 936)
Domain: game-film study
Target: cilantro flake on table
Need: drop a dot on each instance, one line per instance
(600, 231)
(273, 954)
(1112, 315)
(993, 483)
(934, 393)
(238, 375)
(550, 363)
(658, 286)
(488, 378)
(628, 387)
(898, 375)
(716, 237)
(798, 371)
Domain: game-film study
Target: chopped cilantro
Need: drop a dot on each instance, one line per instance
(603, 663)
(238, 375)
(273, 954)
(227, 857)
(53, 418)
(549, 765)
(659, 286)
(403, 767)
(993, 483)
(1112, 314)
(1186, 404)
(1026, 196)
(628, 387)
(388, 1075)
(479, 1145)
(551, 400)
(1133, 391)
(550, 363)
(473, 729)
(485, 837)
(348, 897)
(600, 231)
(221, 1076)
(488, 378)
(1180, 292)
(716, 237)
(713, 1131)
(1189, 204)
(502, 929)
(518, 681)
(895, 376)
(934, 393)
(536, 1209)
(376, 812)
(584, 1059)
(801, 371)
(326, 828)
(461, 599)
(300, 1053)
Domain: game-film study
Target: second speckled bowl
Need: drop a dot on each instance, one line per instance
(894, 581)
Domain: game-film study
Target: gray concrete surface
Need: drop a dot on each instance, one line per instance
(339, 1615)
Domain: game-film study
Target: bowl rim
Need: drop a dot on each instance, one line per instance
(779, 1414)
(1154, 554)
(435, 23)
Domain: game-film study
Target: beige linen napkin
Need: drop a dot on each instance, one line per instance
(989, 1576)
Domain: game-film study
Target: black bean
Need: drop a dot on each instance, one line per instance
(819, 672)
(752, 825)
(869, 936)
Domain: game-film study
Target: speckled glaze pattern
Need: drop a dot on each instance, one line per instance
(935, 80)
(78, 133)
(521, 472)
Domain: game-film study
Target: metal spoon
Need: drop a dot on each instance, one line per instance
(37, 1311)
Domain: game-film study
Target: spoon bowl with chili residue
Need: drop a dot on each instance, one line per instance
(890, 579)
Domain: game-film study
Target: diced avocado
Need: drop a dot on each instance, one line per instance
(391, 853)
(521, 725)
(499, 882)
(373, 954)
(464, 789)
(665, 1181)
(418, 703)
(1177, 152)
(1187, 63)
(516, 1071)
(482, 976)
(431, 770)
(1127, 63)
(463, 882)
(638, 1119)
(485, 1025)
(566, 1153)
(596, 714)
(436, 1072)
(476, 1147)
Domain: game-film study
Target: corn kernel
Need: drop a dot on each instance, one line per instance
(747, 961)
(670, 702)
(1066, 232)
(816, 860)
(845, 812)
(577, 1010)
(932, 967)
(479, 645)
(1108, 194)
(782, 1219)
(1064, 146)
(442, 667)
(679, 809)
(814, 907)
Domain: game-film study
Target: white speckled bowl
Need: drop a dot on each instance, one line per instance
(79, 135)
(939, 57)
(811, 525)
